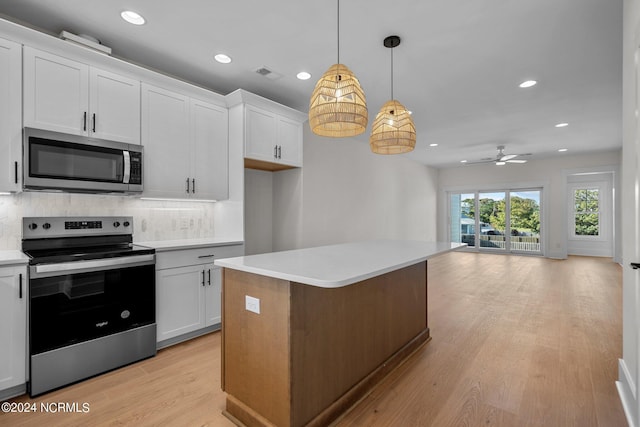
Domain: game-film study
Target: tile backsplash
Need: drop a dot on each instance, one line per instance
(152, 220)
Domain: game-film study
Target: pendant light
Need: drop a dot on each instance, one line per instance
(338, 107)
(393, 131)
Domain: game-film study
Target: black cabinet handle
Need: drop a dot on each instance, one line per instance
(206, 256)
(193, 189)
(187, 185)
(202, 277)
(94, 123)
(279, 151)
(20, 279)
(635, 265)
(275, 151)
(16, 171)
(84, 122)
(209, 280)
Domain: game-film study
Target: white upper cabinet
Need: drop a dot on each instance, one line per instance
(261, 140)
(165, 136)
(186, 148)
(270, 132)
(10, 117)
(114, 104)
(71, 97)
(289, 133)
(210, 162)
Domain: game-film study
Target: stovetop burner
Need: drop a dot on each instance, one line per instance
(61, 239)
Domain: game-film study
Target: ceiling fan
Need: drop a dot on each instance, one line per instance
(502, 159)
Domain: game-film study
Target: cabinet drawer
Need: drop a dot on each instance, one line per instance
(186, 257)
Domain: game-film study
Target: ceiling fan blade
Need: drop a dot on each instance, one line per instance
(481, 161)
(508, 157)
(516, 161)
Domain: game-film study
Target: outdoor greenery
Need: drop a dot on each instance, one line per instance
(525, 213)
(587, 212)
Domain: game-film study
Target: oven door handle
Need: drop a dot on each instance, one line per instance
(92, 265)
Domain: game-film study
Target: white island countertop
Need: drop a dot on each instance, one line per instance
(339, 265)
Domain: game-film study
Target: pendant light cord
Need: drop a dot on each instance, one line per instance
(338, 41)
(391, 73)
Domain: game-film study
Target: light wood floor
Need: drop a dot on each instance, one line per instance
(517, 341)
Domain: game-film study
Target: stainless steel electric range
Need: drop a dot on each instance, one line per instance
(91, 298)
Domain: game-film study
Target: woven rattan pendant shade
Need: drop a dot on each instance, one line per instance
(338, 107)
(393, 131)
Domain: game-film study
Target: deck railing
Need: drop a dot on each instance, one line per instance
(518, 243)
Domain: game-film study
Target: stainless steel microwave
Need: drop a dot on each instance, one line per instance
(58, 161)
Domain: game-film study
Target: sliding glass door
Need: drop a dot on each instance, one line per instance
(492, 211)
(525, 221)
(497, 221)
(463, 223)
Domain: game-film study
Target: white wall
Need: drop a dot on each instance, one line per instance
(628, 374)
(346, 193)
(258, 212)
(550, 174)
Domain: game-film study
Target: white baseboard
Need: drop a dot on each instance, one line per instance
(627, 391)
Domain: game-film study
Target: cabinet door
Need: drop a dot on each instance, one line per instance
(261, 134)
(10, 117)
(114, 107)
(209, 132)
(289, 141)
(13, 326)
(167, 149)
(213, 297)
(180, 302)
(56, 93)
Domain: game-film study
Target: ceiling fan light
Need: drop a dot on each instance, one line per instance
(392, 131)
(500, 163)
(338, 107)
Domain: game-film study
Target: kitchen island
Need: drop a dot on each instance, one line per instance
(307, 333)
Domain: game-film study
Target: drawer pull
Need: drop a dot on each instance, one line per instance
(206, 256)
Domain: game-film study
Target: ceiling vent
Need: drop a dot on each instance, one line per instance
(266, 72)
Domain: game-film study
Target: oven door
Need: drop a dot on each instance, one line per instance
(79, 301)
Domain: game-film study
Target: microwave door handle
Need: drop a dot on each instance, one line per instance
(127, 167)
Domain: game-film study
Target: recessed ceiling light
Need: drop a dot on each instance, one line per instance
(562, 150)
(528, 83)
(562, 125)
(463, 161)
(133, 17)
(303, 75)
(222, 58)
(433, 145)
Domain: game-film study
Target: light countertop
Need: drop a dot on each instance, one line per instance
(13, 257)
(339, 265)
(170, 245)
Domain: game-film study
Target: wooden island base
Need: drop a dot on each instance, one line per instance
(313, 352)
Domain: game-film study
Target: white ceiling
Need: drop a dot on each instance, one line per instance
(458, 66)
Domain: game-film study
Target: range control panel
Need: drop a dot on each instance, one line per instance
(45, 227)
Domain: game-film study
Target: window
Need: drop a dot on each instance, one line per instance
(586, 218)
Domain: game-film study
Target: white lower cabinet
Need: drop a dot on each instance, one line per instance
(188, 292)
(13, 328)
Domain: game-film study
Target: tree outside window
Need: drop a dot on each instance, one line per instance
(587, 211)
